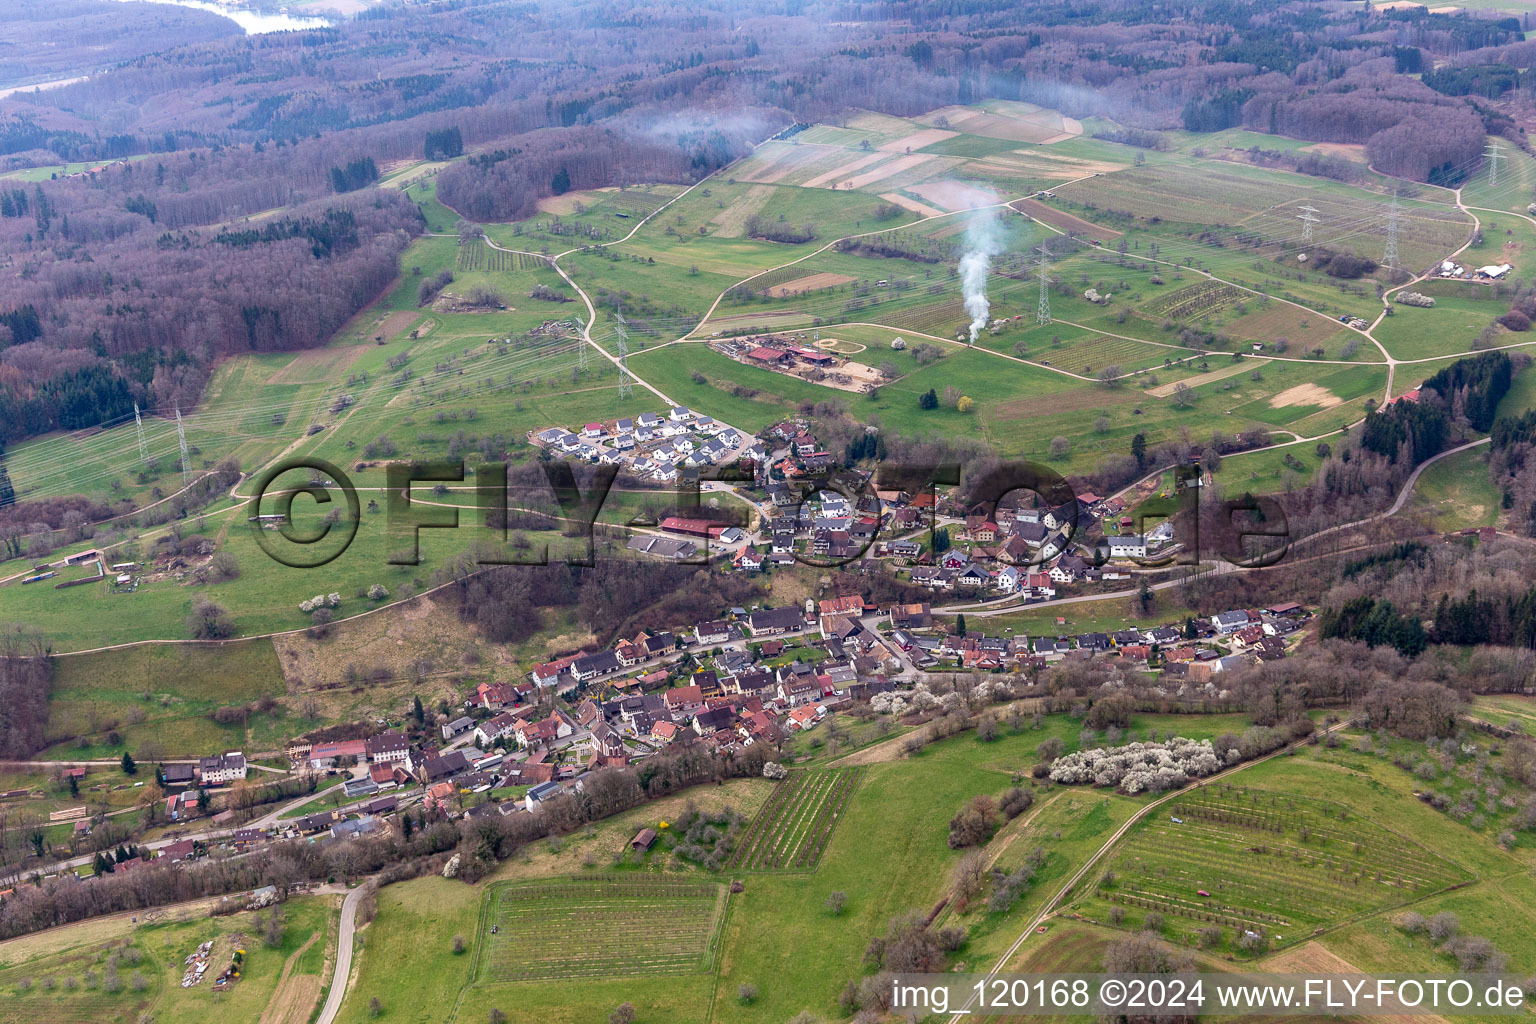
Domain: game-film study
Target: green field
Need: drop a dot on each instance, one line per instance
(1452, 325)
(1271, 863)
(544, 930)
(1456, 493)
(163, 696)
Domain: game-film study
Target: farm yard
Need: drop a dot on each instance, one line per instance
(794, 826)
(116, 970)
(598, 926)
(1267, 862)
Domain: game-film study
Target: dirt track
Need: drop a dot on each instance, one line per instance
(294, 998)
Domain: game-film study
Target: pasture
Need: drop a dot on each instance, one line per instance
(1265, 203)
(598, 926)
(1451, 325)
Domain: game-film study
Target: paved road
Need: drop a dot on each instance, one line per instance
(343, 970)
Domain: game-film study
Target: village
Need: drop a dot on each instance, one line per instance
(803, 517)
(758, 677)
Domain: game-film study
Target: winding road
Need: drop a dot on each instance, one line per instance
(344, 943)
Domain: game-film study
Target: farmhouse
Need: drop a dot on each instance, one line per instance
(911, 616)
(388, 747)
(693, 527)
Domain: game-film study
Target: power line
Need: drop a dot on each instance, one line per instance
(1389, 256)
(1494, 156)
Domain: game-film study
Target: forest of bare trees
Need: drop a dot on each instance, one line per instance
(25, 671)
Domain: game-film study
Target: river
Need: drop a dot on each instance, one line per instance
(252, 22)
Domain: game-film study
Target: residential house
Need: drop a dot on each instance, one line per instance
(543, 731)
(713, 632)
(1228, 622)
(799, 689)
(804, 717)
(980, 529)
(548, 673)
(492, 731)
(226, 767)
(657, 644)
(684, 700)
(595, 666)
(755, 683)
(1069, 568)
(973, 575)
(713, 720)
(1132, 545)
(776, 621)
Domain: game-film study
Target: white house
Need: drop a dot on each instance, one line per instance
(1228, 622)
(227, 767)
(1131, 545)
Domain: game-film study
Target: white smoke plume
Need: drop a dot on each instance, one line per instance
(983, 240)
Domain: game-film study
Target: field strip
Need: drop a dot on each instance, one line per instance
(294, 998)
(836, 174)
(908, 203)
(886, 170)
(1164, 390)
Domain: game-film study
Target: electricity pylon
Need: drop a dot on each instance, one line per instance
(186, 460)
(1043, 310)
(1308, 217)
